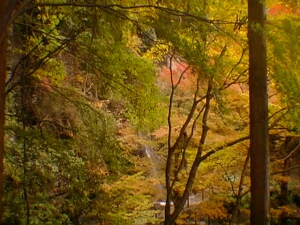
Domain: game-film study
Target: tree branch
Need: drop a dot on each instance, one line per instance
(283, 171)
(209, 153)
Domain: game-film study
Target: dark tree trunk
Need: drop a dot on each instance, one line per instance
(259, 134)
(170, 218)
(284, 184)
(2, 104)
(240, 193)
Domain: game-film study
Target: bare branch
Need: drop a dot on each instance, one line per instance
(228, 177)
(292, 152)
(283, 171)
(233, 68)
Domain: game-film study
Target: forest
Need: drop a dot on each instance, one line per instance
(148, 112)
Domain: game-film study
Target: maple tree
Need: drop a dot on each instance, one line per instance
(44, 133)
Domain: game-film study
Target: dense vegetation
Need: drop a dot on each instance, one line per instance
(137, 112)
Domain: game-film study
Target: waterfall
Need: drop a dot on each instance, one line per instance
(155, 163)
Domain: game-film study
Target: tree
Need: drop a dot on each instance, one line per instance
(130, 78)
(201, 54)
(195, 38)
(2, 100)
(259, 133)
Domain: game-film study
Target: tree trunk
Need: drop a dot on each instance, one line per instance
(284, 184)
(2, 104)
(240, 193)
(259, 134)
(170, 218)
